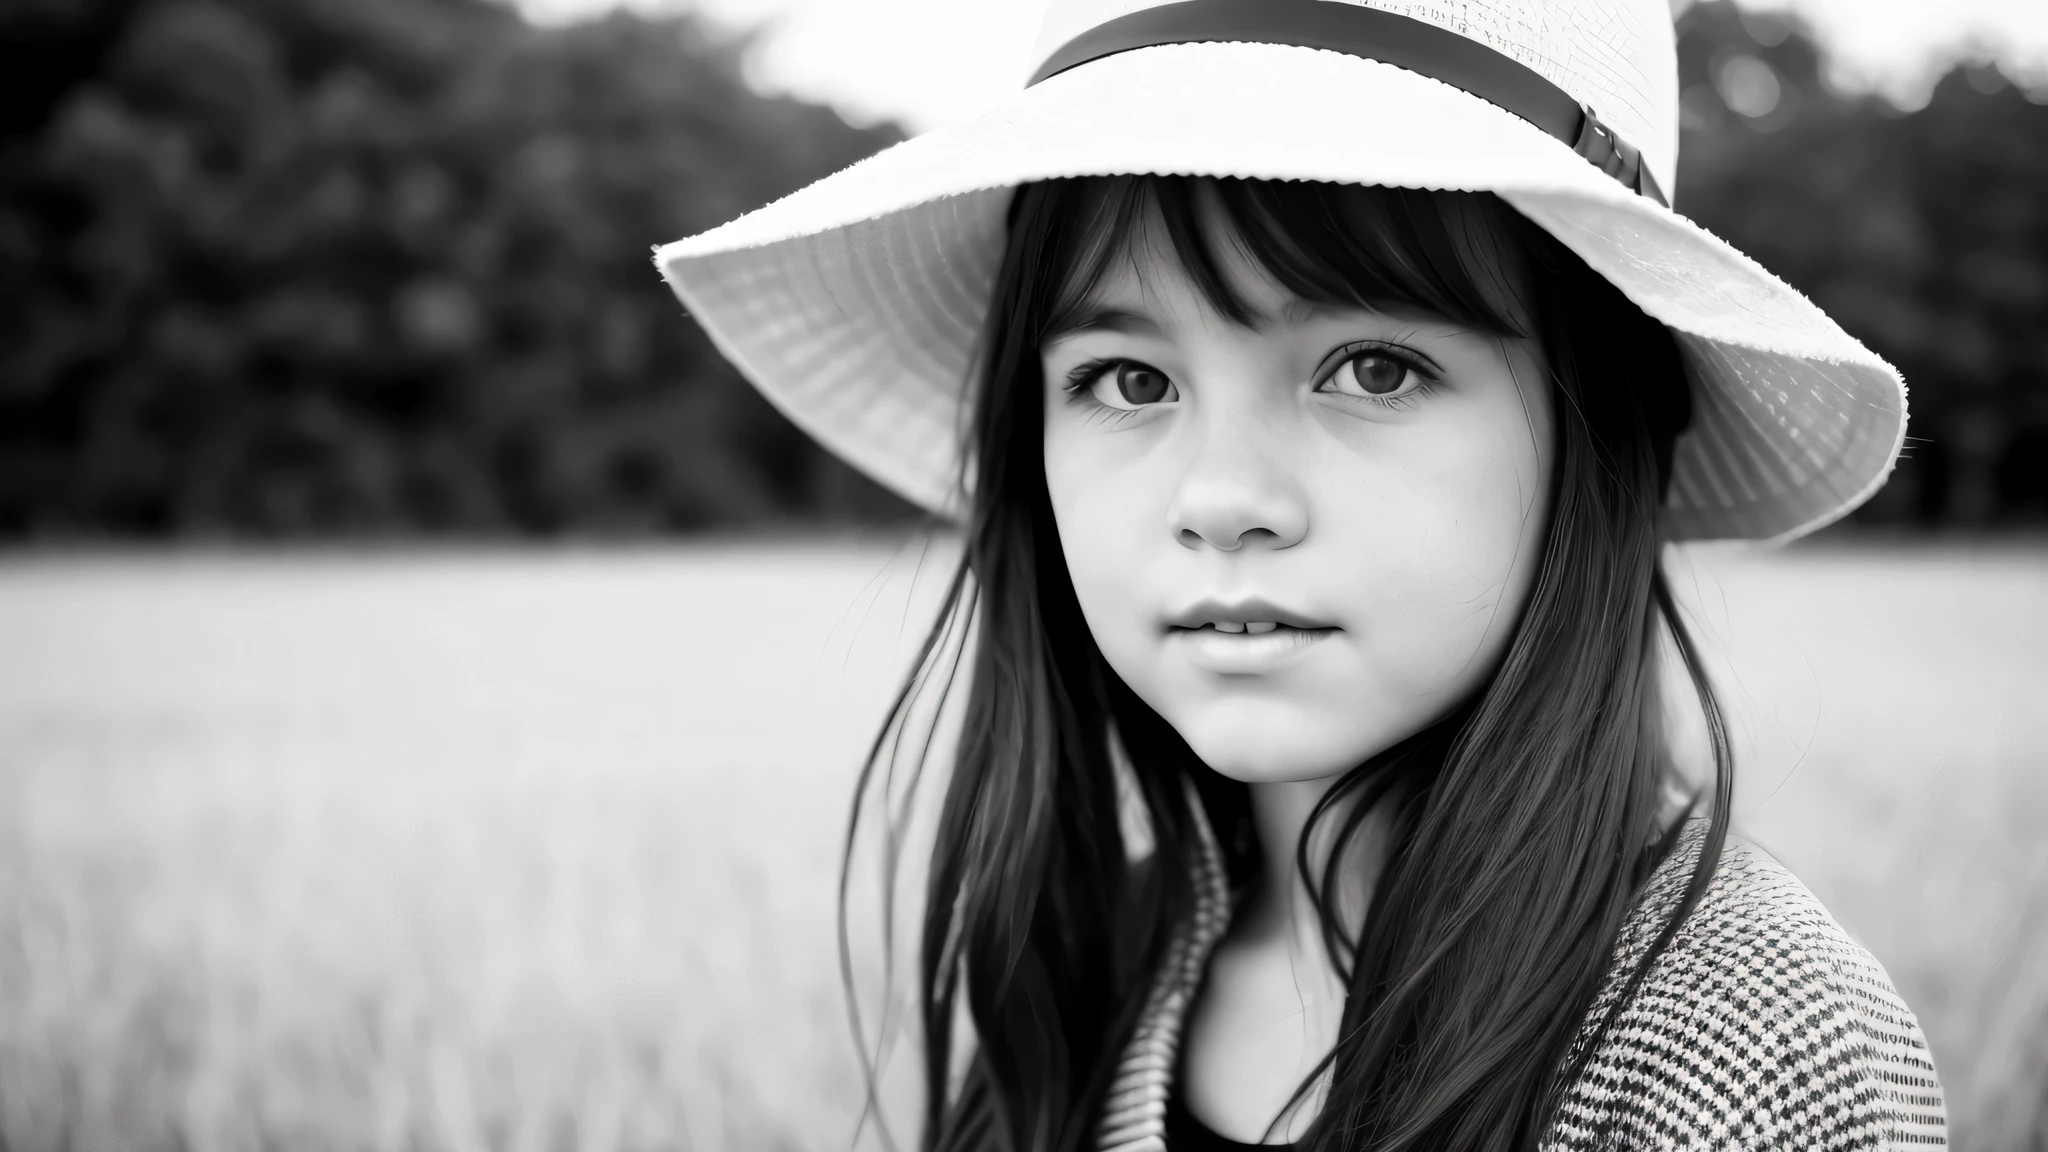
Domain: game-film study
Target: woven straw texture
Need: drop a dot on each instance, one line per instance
(1618, 58)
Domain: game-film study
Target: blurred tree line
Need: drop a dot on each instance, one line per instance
(1924, 234)
(345, 267)
(359, 267)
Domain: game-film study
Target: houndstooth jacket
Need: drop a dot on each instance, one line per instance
(1762, 1026)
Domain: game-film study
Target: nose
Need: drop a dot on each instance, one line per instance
(1238, 490)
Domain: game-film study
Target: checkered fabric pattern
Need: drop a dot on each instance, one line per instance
(1762, 1026)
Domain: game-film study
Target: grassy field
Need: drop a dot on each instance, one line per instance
(537, 851)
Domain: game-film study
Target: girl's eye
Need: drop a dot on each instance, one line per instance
(1375, 374)
(1127, 384)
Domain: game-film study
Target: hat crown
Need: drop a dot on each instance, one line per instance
(1617, 57)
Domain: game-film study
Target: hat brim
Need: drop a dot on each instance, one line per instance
(854, 304)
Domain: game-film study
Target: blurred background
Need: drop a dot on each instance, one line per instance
(431, 681)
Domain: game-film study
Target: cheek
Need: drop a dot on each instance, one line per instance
(1449, 546)
(1101, 506)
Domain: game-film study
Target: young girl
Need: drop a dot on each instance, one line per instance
(1318, 382)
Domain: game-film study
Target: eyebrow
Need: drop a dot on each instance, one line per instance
(1102, 318)
(1300, 311)
(1106, 318)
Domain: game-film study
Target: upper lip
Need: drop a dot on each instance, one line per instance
(1239, 610)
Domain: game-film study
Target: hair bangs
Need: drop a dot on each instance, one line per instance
(1449, 254)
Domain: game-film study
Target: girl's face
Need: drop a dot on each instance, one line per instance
(1299, 542)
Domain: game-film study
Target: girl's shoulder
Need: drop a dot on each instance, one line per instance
(1762, 1025)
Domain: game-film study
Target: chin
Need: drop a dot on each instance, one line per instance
(1257, 755)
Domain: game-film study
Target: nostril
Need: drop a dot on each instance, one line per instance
(1233, 541)
(1228, 517)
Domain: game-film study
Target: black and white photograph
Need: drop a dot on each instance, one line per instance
(1023, 575)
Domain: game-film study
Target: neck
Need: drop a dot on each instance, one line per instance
(1282, 908)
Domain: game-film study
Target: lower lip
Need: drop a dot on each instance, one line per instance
(1246, 653)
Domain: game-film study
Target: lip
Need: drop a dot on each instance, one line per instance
(1246, 653)
(1242, 610)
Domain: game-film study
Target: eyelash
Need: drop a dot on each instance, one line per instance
(1083, 376)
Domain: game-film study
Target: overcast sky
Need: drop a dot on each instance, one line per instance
(931, 62)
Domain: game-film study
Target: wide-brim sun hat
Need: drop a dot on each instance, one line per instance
(855, 303)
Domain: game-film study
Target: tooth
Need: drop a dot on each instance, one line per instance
(1222, 627)
(1261, 626)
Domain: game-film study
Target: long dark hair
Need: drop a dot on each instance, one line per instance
(1523, 824)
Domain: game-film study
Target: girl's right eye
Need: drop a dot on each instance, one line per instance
(1124, 384)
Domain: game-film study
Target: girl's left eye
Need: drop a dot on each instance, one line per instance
(1374, 374)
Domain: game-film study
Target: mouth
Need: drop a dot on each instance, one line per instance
(1249, 627)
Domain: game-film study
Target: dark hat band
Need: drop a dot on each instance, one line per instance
(1371, 34)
